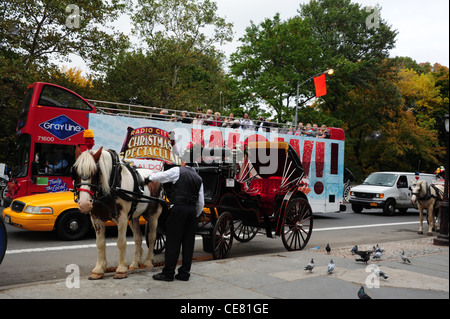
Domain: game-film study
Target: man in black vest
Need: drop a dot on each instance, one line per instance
(184, 188)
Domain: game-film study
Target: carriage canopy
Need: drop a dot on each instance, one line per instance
(272, 159)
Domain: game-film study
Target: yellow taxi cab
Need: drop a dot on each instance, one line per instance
(48, 212)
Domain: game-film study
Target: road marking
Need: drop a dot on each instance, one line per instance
(59, 248)
(364, 226)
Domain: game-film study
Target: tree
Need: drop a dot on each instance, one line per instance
(42, 29)
(276, 55)
(179, 47)
(146, 78)
(273, 58)
(353, 40)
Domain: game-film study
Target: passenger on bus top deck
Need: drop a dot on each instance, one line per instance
(198, 117)
(300, 129)
(185, 118)
(309, 131)
(323, 132)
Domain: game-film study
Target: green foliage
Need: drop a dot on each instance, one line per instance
(274, 57)
(39, 30)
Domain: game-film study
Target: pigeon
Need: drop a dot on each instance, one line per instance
(331, 266)
(362, 294)
(328, 249)
(354, 249)
(404, 258)
(365, 259)
(377, 255)
(378, 249)
(379, 273)
(365, 255)
(310, 266)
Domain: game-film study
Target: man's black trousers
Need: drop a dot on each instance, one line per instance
(181, 225)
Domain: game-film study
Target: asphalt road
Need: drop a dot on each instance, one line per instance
(39, 256)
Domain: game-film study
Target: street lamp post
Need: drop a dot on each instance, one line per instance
(329, 72)
(442, 238)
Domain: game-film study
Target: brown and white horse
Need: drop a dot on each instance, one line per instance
(429, 197)
(97, 176)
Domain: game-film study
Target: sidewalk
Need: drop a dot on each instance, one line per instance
(274, 276)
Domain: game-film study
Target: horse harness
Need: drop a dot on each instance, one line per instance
(115, 180)
(428, 194)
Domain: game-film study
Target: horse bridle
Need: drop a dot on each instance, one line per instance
(83, 182)
(417, 194)
(114, 180)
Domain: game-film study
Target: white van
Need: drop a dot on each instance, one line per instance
(386, 190)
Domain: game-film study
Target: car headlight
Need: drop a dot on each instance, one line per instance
(38, 210)
(379, 195)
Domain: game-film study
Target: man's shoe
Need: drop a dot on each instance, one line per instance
(182, 277)
(162, 277)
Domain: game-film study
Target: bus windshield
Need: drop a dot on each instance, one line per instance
(57, 97)
(381, 179)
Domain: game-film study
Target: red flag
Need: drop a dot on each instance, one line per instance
(321, 86)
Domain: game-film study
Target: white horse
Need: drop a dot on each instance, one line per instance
(97, 178)
(429, 197)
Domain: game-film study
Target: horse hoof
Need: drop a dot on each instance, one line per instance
(420, 232)
(94, 276)
(120, 275)
(430, 233)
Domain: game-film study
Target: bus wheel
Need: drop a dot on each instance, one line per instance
(72, 225)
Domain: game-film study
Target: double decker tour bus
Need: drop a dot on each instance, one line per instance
(51, 123)
(53, 119)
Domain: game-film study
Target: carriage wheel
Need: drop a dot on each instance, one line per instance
(244, 233)
(160, 241)
(222, 236)
(298, 224)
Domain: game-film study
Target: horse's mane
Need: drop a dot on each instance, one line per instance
(86, 166)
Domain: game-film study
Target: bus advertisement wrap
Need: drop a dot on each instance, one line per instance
(148, 142)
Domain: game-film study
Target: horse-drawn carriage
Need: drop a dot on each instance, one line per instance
(261, 191)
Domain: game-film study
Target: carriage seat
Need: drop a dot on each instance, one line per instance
(266, 188)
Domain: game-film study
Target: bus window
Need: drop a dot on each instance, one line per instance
(54, 160)
(25, 107)
(57, 97)
(22, 154)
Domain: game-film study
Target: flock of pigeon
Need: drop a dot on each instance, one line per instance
(377, 251)
(365, 257)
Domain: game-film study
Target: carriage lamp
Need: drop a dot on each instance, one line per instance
(442, 238)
